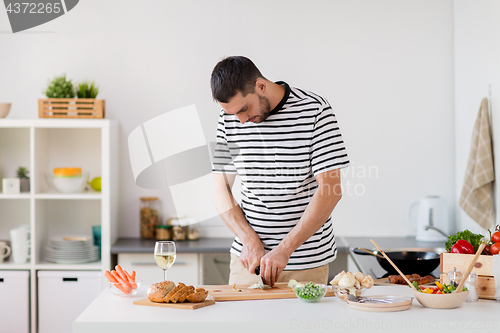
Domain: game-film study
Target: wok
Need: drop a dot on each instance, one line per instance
(408, 261)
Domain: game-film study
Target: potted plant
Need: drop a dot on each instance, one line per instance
(24, 180)
(61, 101)
(87, 89)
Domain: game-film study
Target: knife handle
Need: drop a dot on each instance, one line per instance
(257, 270)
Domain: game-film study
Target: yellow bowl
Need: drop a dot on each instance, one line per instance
(441, 301)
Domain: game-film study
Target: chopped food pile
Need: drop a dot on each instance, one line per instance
(438, 289)
(398, 279)
(351, 283)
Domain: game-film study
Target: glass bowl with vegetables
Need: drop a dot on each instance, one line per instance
(125, 288)
(310, 292)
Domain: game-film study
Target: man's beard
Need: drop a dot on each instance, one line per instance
(265, 107)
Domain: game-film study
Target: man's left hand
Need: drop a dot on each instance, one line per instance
(272, 264)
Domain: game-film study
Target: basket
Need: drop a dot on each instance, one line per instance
(485, 283)
(71, 108)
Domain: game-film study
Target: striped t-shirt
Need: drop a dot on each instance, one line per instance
(277, 160)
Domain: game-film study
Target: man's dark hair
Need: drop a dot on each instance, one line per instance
(232, 75)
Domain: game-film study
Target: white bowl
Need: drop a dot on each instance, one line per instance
(4, 109)
(441, 301)
(71, 184)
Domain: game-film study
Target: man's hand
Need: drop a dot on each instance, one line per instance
(272, 264)
(251, 255)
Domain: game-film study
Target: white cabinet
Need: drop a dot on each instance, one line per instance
(42, 145)
(185, 268)
(15, 301)
(62, 296)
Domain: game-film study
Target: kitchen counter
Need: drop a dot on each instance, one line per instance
(369, 265)
(112, 313)
(202, 245)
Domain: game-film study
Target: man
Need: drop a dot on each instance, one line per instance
(286, 146)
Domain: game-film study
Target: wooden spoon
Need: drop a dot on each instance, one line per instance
(393, 265)
(469, 269)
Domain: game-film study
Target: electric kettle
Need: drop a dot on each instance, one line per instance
(432, 219)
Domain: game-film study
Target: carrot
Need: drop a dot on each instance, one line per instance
(110, 276)
(130, 280)
(122, 285)
(133, 275)
(119, 270)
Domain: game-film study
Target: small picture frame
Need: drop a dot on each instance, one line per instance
(11, 186)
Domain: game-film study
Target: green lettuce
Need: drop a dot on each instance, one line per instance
(474, 239)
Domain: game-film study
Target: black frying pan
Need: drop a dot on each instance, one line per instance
(409, 262)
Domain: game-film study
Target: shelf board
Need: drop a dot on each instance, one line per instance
(69, 196)
(91, 266)
(11, 265)
(15, 196)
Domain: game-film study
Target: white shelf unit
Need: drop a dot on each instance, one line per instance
(42, 145)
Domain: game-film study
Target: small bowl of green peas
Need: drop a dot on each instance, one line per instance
(310, 292)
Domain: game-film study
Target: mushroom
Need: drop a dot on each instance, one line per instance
(367, 282)
(347, 281)
(336, 279)
(359, 276)
(357, 285)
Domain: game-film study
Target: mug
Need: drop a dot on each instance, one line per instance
(21, 244)
(4, 250)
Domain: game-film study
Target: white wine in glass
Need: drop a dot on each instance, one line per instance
(165, 256)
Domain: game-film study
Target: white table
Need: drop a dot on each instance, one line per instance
(111, 313)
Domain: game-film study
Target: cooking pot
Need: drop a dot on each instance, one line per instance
(408, 261)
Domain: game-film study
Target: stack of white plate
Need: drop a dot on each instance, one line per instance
(71, 250)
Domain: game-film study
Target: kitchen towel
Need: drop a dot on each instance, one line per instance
(476, 199)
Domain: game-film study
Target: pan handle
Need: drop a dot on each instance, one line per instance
(365, 252)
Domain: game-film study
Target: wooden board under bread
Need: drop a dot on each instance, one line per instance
(222, 293)
(188, 306)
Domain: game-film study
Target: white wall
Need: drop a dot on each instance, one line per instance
(386, 66)
(477, 65)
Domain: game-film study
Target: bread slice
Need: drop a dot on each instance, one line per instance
(178, 294)
(188, 292)
(169, 296)
(156, 292)
(198, 296)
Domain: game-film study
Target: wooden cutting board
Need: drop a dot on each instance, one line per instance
(188, 306)
(242, 293)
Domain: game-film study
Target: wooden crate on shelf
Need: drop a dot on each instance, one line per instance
(485, 284)
(71, 108)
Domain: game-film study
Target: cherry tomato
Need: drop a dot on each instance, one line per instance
(495, 238)
(495, 248)
(487, 250)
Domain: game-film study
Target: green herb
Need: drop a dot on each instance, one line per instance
(474, 239)
(22, 172)
(60, 88)
(87, 89)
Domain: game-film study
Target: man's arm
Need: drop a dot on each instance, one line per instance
(317, 212)
(233, 217)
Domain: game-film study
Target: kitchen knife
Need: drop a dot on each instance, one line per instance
(261, 283)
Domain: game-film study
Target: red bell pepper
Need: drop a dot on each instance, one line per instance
(462, 246)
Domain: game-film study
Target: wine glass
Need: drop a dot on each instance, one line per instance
(165, 256)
